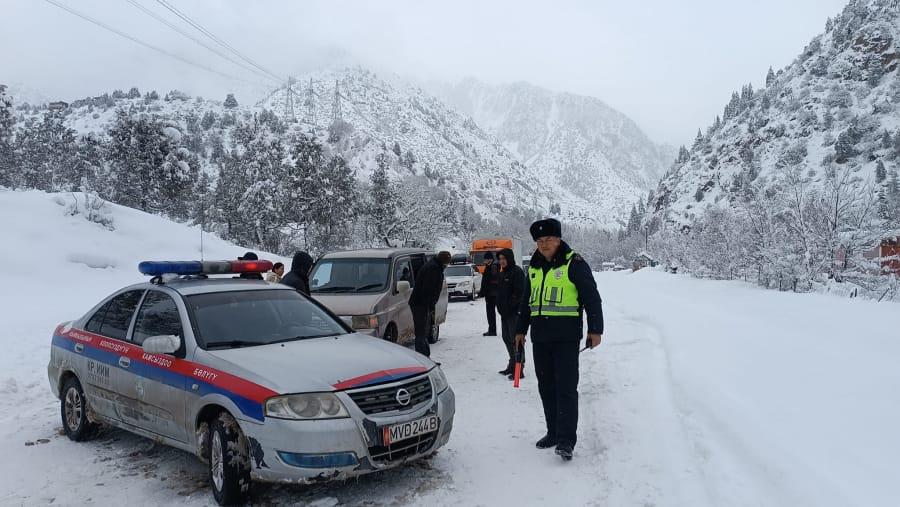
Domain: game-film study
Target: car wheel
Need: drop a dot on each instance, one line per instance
(472, 296)
(73, 408)
(390, 333)
(435, 334)
(229, 461)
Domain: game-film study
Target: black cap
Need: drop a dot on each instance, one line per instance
(546, 227)
(249, 256)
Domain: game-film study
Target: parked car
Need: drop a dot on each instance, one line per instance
(370, 289)
(463, 281)
(259, 381)
(460, 258)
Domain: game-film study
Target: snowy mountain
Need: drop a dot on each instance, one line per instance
(422, 135)
(386, 111)
(599, 153)
(833, 109)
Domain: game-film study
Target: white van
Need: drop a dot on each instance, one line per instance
(370, 289)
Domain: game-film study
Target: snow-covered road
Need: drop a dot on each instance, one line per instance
(702, 393)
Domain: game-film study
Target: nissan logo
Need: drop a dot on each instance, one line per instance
(403, 397)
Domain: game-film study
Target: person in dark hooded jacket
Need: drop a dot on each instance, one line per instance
(250, 256)
(298, 277)
(509, 297)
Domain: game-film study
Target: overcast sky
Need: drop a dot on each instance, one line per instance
(671, 66)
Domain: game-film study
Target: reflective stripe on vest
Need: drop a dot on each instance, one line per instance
(553, 294)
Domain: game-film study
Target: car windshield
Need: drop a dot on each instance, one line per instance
(349, 275)
(478, 257)
(458, 271)
(257, 317)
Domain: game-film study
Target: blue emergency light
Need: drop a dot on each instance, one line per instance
(158, 268)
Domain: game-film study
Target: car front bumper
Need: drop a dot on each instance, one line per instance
(307, 452)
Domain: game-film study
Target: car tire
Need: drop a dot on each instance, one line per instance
(390, 333)
(435, 334)
(74, 410)
(229, 461)
(472, 296)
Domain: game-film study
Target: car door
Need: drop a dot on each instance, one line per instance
(151, 383)
(97, 365)
(400, 311)
(113, 328)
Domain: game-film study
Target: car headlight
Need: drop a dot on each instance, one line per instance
(465, 283)
(306, 407)
(438, 380)
(364, 322)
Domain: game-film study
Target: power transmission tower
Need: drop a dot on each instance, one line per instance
(289, 100)
(336, 113)
(310, 103)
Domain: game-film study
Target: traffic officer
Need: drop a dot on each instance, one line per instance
(559, 288)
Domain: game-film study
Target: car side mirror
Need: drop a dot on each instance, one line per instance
(403, 286)
(162, 344)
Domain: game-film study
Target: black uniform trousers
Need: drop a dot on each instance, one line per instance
(556, 366)
(490, 305)
(422, 321)
(508, 332)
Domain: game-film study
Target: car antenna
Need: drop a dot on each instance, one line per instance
(202, 217)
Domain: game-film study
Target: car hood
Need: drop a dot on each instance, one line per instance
(321, 364)
(349, 304)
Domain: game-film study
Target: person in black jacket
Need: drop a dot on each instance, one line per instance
(490, 281)
(424, 298)
(509, 298)
(564, 289)
(250, 256)
(298, 277)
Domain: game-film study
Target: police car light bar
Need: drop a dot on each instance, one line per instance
(157, 268)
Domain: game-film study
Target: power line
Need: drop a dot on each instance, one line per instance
(187, 19)
(142, 43)
(166, 22)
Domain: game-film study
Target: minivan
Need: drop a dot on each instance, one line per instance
(370, 290)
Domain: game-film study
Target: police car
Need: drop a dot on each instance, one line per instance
(259, 381)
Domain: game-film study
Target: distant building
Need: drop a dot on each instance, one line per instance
(607, 266)
(643, 260)
(58, 106)
(889, 254)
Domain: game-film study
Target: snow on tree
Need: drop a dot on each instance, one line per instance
(7, 124)
(382, 203)
(770, 77)
(880, 172)
(134, 93)
(230, 101)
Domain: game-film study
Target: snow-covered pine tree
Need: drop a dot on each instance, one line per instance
(230, 101)
(134, 93)
(382, 203)
(770, 77)
(338, 208)
(145, 172)
(7, 125)
(46, 154)
(880, 172)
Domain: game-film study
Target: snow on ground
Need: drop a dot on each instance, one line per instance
(703, 393)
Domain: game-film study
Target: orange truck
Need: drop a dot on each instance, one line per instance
(483, 245)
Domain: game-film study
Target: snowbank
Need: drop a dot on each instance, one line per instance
(787, 398)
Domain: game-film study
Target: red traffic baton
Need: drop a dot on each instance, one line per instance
(520, 353)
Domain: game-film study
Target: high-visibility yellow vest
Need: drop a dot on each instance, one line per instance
(552, 293)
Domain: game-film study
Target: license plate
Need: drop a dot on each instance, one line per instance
(411, 429)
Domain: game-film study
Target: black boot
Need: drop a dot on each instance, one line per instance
(507, 371)
(565, 451)
(490, 333)
(546, 442)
